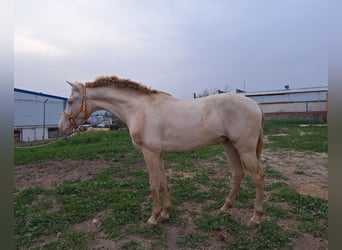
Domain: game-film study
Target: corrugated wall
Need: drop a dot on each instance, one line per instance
(29, 110)
(36, 115)
(311, 105)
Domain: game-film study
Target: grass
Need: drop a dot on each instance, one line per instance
(311, 211)
(123, 191)
(269, 235)
(191, 240)
(293, 136)
(69, 240)
(112, 146)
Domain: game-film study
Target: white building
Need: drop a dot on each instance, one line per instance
(301, 103)
(36, 115)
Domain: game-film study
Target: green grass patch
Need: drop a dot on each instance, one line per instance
(224, 222)
(124, 212)
(78, 201)
(312, 211)
(276, 212)
(156, 235)
(299, 172)
(110, 145)
(186, 161)
(246, 196)
(272, 173)
(132, 245)
(194, 241)
(186, 190)
(269, 235)
(68, 240)
(276, 185)
(294, 137)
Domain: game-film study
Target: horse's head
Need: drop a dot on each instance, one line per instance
(75, 112)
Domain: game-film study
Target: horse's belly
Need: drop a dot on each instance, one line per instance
(185, 140)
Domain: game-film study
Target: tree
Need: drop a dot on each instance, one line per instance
(207, 92)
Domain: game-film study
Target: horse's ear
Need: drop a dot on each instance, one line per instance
(73, 85)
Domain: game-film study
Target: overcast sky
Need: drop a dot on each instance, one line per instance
(179, 46)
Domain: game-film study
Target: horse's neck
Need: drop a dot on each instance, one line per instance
(122, 104)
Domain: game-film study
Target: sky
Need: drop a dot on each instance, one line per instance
(178, 46)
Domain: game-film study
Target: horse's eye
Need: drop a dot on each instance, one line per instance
(69, 101)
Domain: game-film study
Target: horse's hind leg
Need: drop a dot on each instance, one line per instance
(237, 175)
(252, 165)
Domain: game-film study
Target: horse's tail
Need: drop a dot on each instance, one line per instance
(260, 144)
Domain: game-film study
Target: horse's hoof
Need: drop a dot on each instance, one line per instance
(152, 222)
(252, 224)
(151, 225)
(221, 212)
(162, 219)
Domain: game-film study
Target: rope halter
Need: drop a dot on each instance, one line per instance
(83, 109)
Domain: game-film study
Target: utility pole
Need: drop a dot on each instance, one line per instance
(44, 119)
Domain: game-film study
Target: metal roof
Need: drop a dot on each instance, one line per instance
(286, 91)
(39, 94)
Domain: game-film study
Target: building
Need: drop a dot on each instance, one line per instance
(98, 119)
(36, 115)
(301, 103)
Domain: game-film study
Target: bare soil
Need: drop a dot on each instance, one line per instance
(306, 172)
(49, 174)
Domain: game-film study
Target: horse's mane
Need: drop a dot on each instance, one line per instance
(121, 83)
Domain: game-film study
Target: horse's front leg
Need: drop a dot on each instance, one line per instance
(165, 192)
(154, 165)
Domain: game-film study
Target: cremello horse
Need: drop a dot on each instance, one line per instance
(159, 123)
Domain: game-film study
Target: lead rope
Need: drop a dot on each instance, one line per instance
(49, 143)
(46, 144)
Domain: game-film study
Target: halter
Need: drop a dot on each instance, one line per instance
(83, 109)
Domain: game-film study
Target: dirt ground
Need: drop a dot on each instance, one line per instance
(306, 172)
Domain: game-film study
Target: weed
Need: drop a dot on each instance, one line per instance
(276, 185)
(191, 240)
(201, 178)
(302, 204)
(132, 245)
(245, 196)
(125, 212)
(268, 236)
(299, 172)
(276, 212)
(312, 211)
(272, 173)
(212, 223)
(68, 240)
(316, 229)
(271, 236)
(27, 196)
(156, 235)
(186, 190)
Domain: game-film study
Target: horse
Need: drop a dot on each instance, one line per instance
(160, 123)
